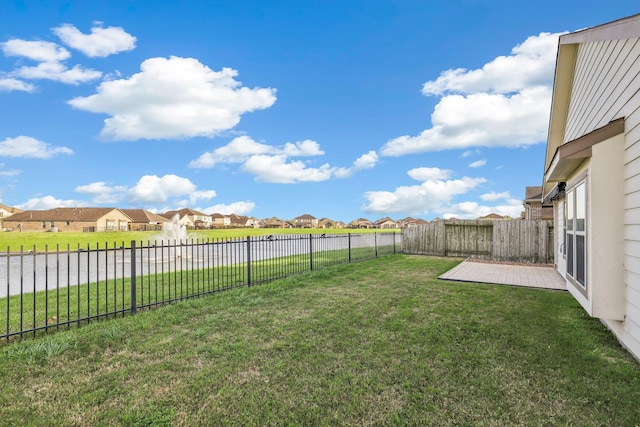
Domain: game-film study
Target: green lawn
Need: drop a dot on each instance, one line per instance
(379, 342)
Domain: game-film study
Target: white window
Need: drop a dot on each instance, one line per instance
(111, 224)
(576, 234)
(123, 225)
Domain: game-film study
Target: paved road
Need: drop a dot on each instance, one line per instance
(29, 272)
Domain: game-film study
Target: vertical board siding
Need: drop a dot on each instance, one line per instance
(501, 240)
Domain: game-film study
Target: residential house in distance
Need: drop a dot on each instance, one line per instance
(220, 221)
(493, 216)
(534, 209)
(274, 222)
(190, 218)
(361, 223)
(326, 223)
(6, 212)
(143, 220)
(70, 219)
(411, 222)
(386, 223)
(305, 221)
(329, 223)
(242, 221)
(591, 172)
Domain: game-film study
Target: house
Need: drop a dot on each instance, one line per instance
(190, 218)
(5, 212)
(70, 219)
(142, 220)
(591, 172)
(305, 221)
(242, 221)
(411, 222)
(220, 221)
(534, 209)
(387, 223)
(361, 223)
(274, 222)
(492, 216)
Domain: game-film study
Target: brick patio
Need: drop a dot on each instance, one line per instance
(506, 274)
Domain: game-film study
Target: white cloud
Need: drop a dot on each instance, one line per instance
(198, 195)
(155, 189)
(101, 193)
(429, 174)
(469, 153)
(493, 196)
(530, 64)
(366, 161)
(58, 72)
(25, 146)
(48, 202)
(431, 195)
(39, 51)
(11, 84)
(472, 210)
(149, 190)
(485, 120)
(273, 164)
(50, 57)
(8, 172)
(302, 148)
(506, 103)
(478, 163)
(173, 98)
(236, 151)
(238, 208)
(101, 42)
(278, 169)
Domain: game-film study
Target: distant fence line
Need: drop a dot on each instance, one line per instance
(499, 240)
(48, 291)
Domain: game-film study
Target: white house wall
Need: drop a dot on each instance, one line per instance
(561, 260)
(605, 80)
(606, 86)
(605, 250)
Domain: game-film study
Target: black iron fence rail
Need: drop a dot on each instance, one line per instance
(47, 291)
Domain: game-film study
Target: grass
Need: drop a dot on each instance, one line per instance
(380, 342)
(44, 311)
(41, 241)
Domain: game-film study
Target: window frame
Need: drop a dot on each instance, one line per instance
(575, 232)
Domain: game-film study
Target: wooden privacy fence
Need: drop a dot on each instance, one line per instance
(500, 240)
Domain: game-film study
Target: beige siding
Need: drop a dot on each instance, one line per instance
(606, 86)
(607, 76)
(630, 85)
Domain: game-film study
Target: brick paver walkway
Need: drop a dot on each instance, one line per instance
(506, 274)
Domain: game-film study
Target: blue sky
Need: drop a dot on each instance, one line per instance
(339, 109)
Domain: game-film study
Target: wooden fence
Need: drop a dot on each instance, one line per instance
(500, 240)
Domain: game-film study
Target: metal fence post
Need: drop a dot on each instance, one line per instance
(248, 261)
(349, 245)
(133, 277)
(375, 242)
(394, 242)
(311, 252)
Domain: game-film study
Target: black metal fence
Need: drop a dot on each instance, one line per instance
(47, 291)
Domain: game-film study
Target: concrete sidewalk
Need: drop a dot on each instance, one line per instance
(506, 274)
